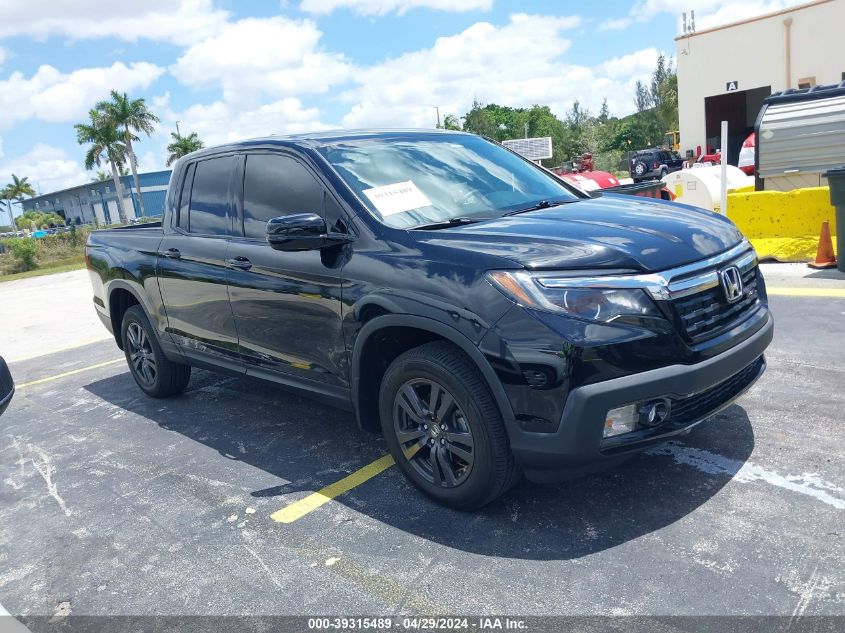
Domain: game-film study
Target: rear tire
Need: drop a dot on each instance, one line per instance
(153, 372)
(444, 429)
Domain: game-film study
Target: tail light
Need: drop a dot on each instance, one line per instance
(656, 165)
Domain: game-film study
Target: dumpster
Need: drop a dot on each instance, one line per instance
(645, 189)
(836, 180)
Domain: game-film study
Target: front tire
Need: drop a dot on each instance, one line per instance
(153, 372)
(444, 429)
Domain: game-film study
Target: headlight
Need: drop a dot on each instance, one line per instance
(594, 302)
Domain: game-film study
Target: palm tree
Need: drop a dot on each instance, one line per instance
(6, 194)
(182, 146)
(16, 190)
(129, 116)
(106, 142)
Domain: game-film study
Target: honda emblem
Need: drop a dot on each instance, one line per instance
(731, 283)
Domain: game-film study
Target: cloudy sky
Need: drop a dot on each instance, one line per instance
(229, 70)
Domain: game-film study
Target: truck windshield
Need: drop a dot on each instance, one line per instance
(408, 182)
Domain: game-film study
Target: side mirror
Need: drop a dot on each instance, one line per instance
(301, 232)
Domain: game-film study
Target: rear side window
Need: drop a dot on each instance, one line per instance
(210, 212)
(185, 198)
(276, 185)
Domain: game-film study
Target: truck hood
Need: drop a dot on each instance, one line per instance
(611, 231)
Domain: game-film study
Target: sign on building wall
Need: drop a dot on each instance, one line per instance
(731, 86)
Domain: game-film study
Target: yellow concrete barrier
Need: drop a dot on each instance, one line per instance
(783, 225)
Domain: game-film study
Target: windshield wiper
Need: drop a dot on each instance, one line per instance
(445, 224)
(543, 204)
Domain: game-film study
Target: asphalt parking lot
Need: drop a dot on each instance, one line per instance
(114, 503)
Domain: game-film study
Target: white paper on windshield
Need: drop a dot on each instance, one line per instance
(396, 198)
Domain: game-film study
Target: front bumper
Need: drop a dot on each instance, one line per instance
(7, 386)
(703, 389)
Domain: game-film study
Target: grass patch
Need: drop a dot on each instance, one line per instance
(63, 266)
(28, 257)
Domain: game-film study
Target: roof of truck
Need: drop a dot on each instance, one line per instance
(315, 140)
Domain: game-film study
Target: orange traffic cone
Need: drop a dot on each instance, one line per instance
(825, 257)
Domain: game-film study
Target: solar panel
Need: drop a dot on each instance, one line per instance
(531, 148)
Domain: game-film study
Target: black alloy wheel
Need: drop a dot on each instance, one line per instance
(141, 355)
(443, 427)
(154, 373)
(433, 433)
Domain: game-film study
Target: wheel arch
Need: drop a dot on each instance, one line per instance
(384, 337)
(120, 297)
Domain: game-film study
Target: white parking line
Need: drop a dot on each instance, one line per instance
(10, 625)
(809, 484)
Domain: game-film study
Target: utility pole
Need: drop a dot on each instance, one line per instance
(437, 109)
(526, 129)
(177, 129)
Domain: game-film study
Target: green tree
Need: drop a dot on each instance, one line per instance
(34, 220)
(604, 113)
(17, 190)
(102, 176)
(130, 117)
(105, 144)
(481, 120)
(6, 194)
(182, 146)
(24, 250)
(451, 122)
(503, 123)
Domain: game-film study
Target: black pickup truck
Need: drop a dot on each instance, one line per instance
(484, 316)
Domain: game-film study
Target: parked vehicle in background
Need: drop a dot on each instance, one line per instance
(746, 155)
(7, 386)
(649, 164)
(483, 315)
(712, 158)
(672, 140)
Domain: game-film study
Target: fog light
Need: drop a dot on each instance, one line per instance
(654, 413)
(621, 420)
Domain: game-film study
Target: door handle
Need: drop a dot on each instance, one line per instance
(171, 253)
(239, 262)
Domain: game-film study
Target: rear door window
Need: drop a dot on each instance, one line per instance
(210, 209)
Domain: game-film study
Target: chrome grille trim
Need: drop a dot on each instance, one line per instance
(668, 284)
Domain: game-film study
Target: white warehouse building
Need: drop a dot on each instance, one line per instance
(724, 73)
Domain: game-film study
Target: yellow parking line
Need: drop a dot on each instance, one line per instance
(70, 373)
(299, 509)
(806, 292)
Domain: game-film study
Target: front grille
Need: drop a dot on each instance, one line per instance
(687, 410)
(707, 314)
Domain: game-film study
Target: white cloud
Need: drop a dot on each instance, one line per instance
(53, 96)
(490, 62)
(382, 7)
(178, 21)
(249, 58)
(615, 24)
(708, 13)
(641, 62)
(48, 168)
(222, 122)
